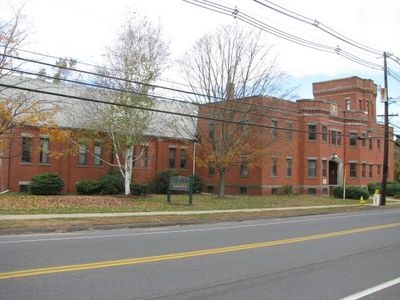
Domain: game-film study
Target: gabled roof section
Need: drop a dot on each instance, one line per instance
(169, 119)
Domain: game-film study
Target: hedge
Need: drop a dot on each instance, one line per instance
(352, 192)
(46, 184)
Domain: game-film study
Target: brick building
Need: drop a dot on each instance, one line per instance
(311, 145)
(28, 151)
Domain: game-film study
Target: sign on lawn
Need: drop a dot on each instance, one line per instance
(180, 183)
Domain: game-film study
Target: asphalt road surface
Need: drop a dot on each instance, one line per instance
(353, 255)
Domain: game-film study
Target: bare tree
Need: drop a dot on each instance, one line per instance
(134, 62)
(12, 36)
(225, 69)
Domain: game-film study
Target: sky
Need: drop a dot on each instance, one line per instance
(81, 29)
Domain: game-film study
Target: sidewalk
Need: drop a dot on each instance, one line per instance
(159, 213)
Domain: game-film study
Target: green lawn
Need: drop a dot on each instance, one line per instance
(14, 203)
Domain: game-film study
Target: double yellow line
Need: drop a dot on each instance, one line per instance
(181, 255)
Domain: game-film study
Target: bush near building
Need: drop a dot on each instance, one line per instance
(111, 184)
(392, 188)
(46, 184)
(352, 192)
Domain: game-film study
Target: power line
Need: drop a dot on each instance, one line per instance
(210, 104)
(279, 33)
(83, 63)
(80, 98)
(317, 24)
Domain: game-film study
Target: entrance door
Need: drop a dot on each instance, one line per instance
(333, 173)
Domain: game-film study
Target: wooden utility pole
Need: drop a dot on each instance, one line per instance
(386, 137)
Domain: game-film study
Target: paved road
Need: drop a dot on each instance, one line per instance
(318, 257)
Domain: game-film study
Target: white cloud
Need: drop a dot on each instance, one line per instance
(81, 29)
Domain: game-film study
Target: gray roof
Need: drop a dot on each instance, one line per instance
(170, 119)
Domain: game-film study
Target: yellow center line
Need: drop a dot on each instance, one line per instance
(181, 255)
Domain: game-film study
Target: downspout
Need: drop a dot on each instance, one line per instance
(9, 160)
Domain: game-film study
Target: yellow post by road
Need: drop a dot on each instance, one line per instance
(362, 201)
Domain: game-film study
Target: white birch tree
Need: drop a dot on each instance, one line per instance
(134, 61)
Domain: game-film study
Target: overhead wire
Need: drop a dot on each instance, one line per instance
(317, 24)
(80, 98)
(91, 65)
(235, 13)
(209, 104)
(205, 117)
(292, 38)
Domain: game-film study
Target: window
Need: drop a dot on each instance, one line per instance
(274, 167)
(98, 154)
(370, 171)
(44, 150)
(333, 137)
(367, 106)
(244, 128)
(359, 104)
(324, 168)
(363, 170)
(370, 144)
(211, 129)
(289, 163)
(312, 168)
(184, 159)
(353, 139)
(142, 160)
(311, 191)
(378, 144)
(336, 137)
(363, 139)
(211, 170)
(348, 104)
(172, 158)
(26, 149)
(82, 159)
(24, 187)
(244, 169)
(289, 130)
(324, 134)
(353, 169)
(312, 132)
(378, 169)
(242, 190)
(274, 130)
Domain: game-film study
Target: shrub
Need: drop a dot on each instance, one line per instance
(46, 184)
(138, 189)
(88, 187)
(286, 190)
(392, 188)
(374, 186)
(352, 192)
(160, 182)
(111, 184)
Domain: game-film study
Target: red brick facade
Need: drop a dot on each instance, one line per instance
(17, 168)
(317, 144)
(310, 146)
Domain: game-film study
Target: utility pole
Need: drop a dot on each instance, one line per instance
(386, 137)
